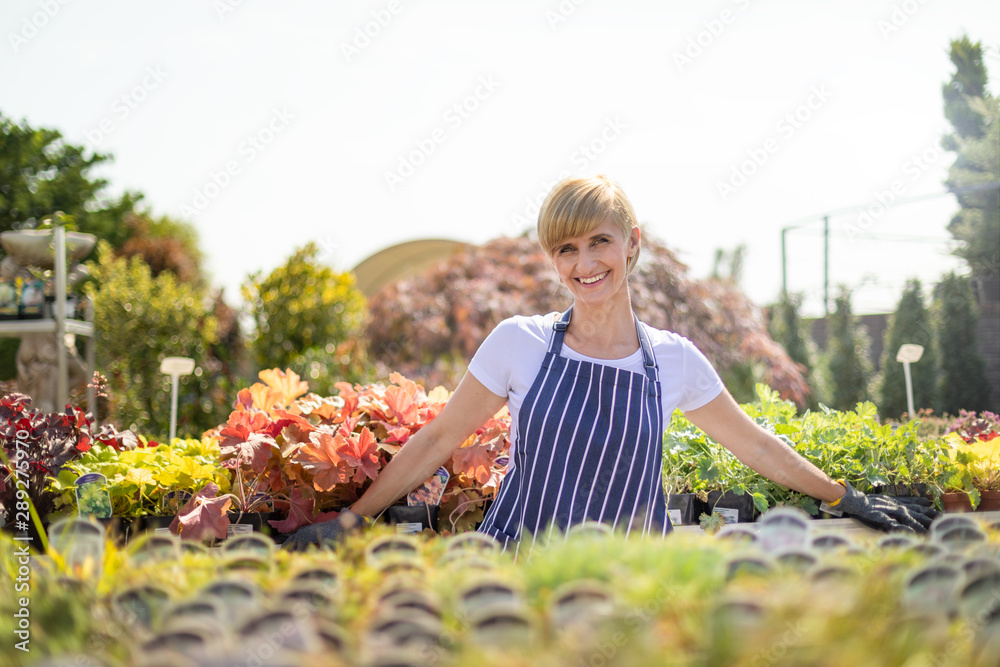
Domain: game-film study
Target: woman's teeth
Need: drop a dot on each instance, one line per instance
(589, 281)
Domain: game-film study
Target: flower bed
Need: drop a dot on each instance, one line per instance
(288, 451)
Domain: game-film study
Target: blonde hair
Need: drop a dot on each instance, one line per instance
(577, 205)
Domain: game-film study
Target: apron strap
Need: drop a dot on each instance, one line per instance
(648, 360)
(559, 327)
(561, 324)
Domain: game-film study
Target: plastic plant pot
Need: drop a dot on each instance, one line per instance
(719, 501)
(426, 516)
(689, 507)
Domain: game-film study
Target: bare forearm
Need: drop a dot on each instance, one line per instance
(775, 460)
(415, 462)
(724, 421)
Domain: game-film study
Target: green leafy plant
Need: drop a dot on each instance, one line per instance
(976, 447)
(711, 523)
(851, 445)
(150, 480)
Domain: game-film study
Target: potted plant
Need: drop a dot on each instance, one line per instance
(851, 445)
(709, 473)
(975, 444)
(149, 483)
(312, 455)
(36, 447)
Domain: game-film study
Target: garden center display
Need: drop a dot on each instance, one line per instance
(172, 577)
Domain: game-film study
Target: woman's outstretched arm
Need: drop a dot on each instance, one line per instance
(726, 423)
(469, 407)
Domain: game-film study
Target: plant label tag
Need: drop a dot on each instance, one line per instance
(92, 497)
(238, 529)
(431, 491)
(177, 366)
(408, 528)
(675, 517)
(730, 515)
(833, 511)
(161, 531)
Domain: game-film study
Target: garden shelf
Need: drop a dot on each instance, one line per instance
(59, 325)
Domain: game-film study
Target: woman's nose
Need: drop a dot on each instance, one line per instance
(587, 259)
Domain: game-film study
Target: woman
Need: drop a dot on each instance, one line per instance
(590, 391)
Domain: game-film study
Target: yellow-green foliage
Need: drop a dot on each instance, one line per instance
(302, 306)
(139, 320)
(140, 479)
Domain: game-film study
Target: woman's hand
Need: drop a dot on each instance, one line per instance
(886, 512)
(325, 533)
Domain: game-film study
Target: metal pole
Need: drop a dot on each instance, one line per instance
(62, 381)
(826, 265)
(91, 392)
(909, 389)
(174, 381)
(784, 263)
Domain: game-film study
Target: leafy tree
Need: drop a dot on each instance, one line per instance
(911, 323)
(963, 383)
(41, 174)
(139, 320)
(304, 308)
(975, 116)
(845, 367)
(164, 244)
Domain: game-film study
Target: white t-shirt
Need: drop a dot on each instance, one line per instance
(511, 356)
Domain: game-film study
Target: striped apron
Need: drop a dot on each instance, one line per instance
(589, 448)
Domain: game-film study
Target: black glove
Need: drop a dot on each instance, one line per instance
(887, 513)
(327, 533)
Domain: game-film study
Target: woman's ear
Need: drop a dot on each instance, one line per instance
(633, 241)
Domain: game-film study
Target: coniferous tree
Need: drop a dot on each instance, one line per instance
(911, 323)
(786, 327)
(975, 116)
(845, 368)
(962, 383)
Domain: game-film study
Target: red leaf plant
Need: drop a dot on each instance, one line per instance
(309, 456)
(37, 445)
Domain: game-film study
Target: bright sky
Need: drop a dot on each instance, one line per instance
(270, 124)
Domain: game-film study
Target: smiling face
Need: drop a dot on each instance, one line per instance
(594, 265)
